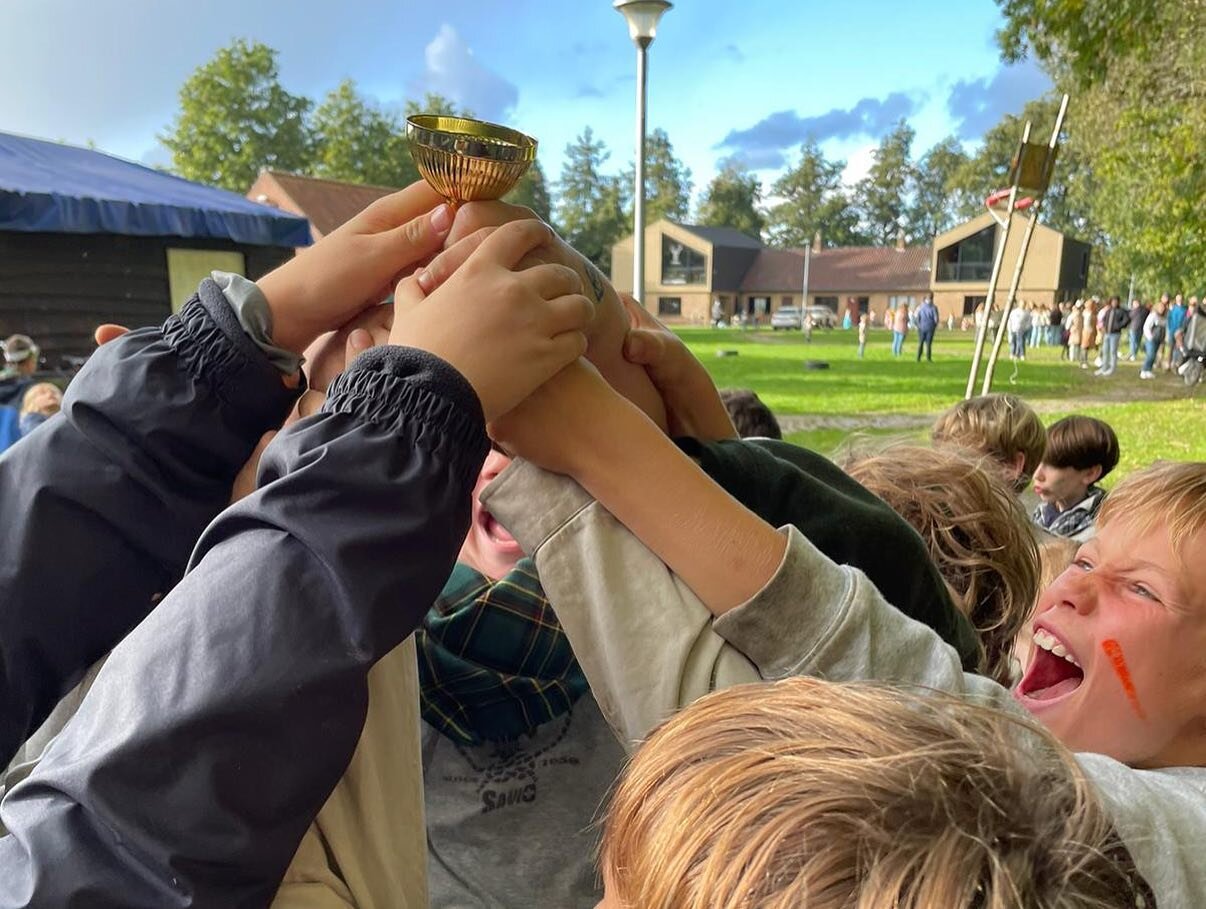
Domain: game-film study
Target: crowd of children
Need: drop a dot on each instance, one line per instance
(785, 681)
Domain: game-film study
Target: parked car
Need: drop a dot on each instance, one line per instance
(787, 317)
(823, 317)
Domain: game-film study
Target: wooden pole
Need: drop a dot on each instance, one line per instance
(1048, 166)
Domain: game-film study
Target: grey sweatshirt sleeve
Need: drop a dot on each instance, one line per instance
(113, 492)
(218, 727)
(817, 618)
(825, 620)
(643, 639)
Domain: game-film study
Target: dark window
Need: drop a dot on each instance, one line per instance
(831, 302)
(970, 304)
(669, 306)
(786, 301)
(681, 264)
(970, 259)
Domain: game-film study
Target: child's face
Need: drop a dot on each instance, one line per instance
(488, 546)
(1132, 615)
(1063, 486)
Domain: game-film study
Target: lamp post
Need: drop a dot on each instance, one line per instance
(642, 17)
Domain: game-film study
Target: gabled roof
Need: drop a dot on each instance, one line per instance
(870, 268)
(47, 187)
(326, 203)
(722, 236)
(775, 270)
(851, 268)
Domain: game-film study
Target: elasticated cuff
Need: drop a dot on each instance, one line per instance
(390, 385)
(210, 342)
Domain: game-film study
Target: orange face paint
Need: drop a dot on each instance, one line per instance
(1113, 650)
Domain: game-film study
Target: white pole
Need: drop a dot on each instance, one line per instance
(804, 302)
(638, 239)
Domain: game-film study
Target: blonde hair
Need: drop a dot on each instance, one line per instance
(999, 425)
(803, 794)
(1172, 492)
(975, 530)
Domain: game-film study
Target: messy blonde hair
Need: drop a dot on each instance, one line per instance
(998, 425)
(1172, 492)
(975, 530)
(803, 794)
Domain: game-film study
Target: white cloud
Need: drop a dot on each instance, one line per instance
(858, 163)
(453, 71)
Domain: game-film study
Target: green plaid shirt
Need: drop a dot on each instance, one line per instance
(493, 661)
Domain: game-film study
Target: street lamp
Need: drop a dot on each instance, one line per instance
(642, 16)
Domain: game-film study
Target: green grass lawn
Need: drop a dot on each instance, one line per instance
(883, 397)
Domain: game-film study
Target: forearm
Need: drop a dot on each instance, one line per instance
(107, 500)
(721, 550)
(239, 701)
(644, 641)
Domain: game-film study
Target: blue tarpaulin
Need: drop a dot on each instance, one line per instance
(50, 188)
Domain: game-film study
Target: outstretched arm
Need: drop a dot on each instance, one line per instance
(218, 727)
(103, 504)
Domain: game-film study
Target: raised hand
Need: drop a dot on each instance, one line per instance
(693, 406)
(506, 328)
(354, 267)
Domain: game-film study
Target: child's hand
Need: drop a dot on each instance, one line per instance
(354, 267)
(693, 407)
(553, 426)
(505, 330)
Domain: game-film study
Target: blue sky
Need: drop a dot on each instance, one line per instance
(750, 78)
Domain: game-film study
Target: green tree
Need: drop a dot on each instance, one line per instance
(236, 119)
(532, 190)
(932, 208)
(435, 103)
(1083, 37)
(882, 197)
(813, 200)
(590, 204)
(356, 141)
(733, 199)
(1137, 76)
(667, 181)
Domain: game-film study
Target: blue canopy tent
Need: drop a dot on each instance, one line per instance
(86, 238)
(50, 188)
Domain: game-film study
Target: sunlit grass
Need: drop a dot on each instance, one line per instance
(885, 397)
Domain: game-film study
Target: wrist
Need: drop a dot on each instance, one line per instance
(287, 331)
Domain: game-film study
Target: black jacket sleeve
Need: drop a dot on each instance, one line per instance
(100, 508)
(219, 726)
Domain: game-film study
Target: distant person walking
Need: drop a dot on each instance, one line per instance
(1154, 330)
(863, 322)
(900, 327)
(927, 324)
(1088, 332)
(1138, 317)
(1019, 327)
(1075, 325)
(1116, 319)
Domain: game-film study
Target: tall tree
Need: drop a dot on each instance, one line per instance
(533, 191)
(667, 181)
(435, 103)
(882, 197)
(356, 141)
(1138, 81)
(813, 200)
(732, 199)
(932, 208)
(235, 119)
(590, 205)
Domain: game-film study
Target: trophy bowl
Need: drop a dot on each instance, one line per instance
(465, 160)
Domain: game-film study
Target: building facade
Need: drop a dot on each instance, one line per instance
(694, 274)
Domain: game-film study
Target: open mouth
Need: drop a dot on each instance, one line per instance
(1054, 671)
(496, 533)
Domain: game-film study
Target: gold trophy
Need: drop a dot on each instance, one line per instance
(465, 160)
